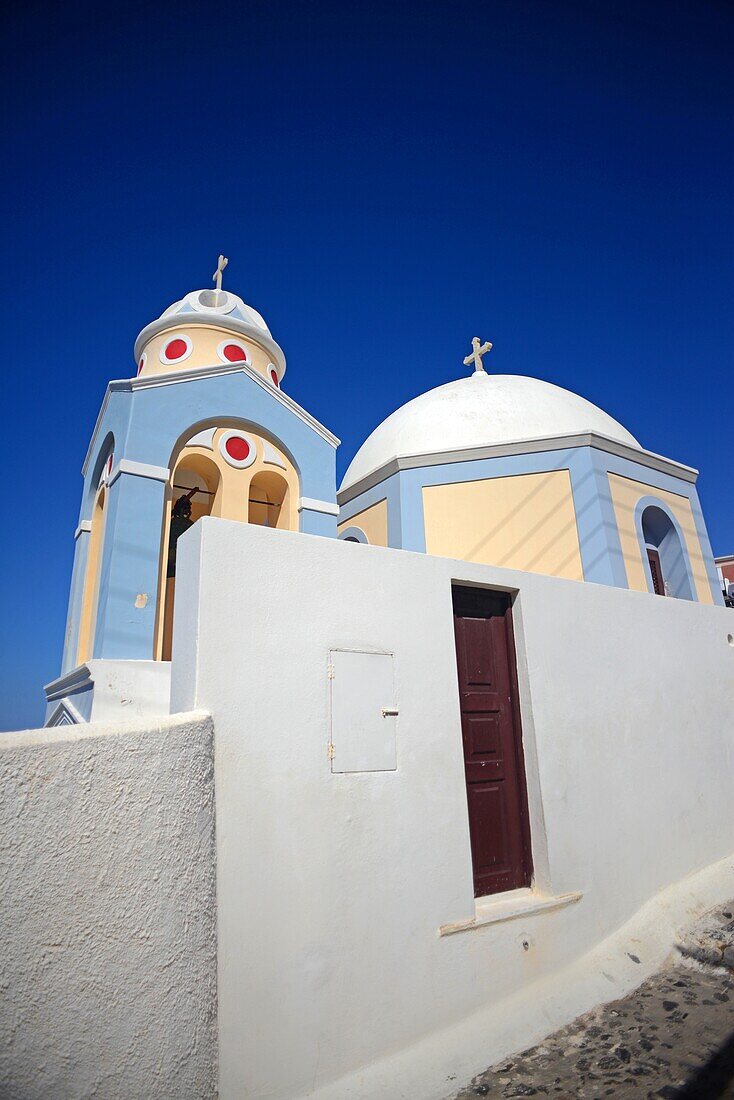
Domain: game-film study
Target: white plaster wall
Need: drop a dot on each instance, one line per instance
(333, 979)
(116, 691)
(107, 895)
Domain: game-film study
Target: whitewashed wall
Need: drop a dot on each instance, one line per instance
(333, 979)
(107, 912)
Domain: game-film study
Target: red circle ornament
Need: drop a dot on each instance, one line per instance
(237, 448)
(234, 353)
(176, 349)
(274, 377)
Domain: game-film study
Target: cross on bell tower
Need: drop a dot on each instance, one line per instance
(478, 350)
(217, 276)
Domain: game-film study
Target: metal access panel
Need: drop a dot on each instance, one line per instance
(363, 712)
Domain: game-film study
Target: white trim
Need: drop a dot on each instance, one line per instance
(525, 446)
(236, 344)
(67, 709)
(238, 463)
(138, 469)
(502, 907)
(204, 438)
(311, 505)
(271, 456)
(353, 534)
(74, 680)
(179, 358)
(84, 528)
(106, 473)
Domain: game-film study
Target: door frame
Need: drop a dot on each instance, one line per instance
(519, 742)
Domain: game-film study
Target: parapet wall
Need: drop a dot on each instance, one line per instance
(341, 888)
(108, 929)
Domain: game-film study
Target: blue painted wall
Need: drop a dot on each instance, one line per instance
(144, 425)
(589, 467)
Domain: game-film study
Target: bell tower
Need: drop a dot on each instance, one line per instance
(202, 428)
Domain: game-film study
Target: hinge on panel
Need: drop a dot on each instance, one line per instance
(330, 750)
(330, 671)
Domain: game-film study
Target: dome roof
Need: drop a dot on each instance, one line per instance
(481, 411)
(214, 307)
(217, 304)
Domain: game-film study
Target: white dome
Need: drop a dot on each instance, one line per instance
(217, 304)
(481, 411)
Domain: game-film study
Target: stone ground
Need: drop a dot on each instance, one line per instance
(672, 1037)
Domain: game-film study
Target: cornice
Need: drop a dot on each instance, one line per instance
(78, 678)
(139, 469)
(173, 378)
(525, 446)
(309, 504)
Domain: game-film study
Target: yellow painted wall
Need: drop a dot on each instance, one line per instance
(373, 521)
(91, 580)
(231, 500)
(205, 339)
(625, 495)
(522, 522)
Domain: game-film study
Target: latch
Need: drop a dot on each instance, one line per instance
(389, 712)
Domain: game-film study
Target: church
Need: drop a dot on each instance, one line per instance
(501, 470)
(348, 793)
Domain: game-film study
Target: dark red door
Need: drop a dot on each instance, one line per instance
(490, 726)
(656, 569)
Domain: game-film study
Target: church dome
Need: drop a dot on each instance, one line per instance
(217, 304)
(482, 410)
(219, 308)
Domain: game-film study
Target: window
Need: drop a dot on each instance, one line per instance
(666, 557)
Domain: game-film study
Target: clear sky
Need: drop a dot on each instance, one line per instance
(388, 180)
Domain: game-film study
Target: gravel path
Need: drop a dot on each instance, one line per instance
(672, 1037)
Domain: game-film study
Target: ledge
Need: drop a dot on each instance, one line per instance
(502, 907)
(654, 461)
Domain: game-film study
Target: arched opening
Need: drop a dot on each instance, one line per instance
(193, 492)
(353, 534)
(268, 504)
(90, 597)
(666, 557)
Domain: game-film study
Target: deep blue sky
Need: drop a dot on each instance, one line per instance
(388, 180)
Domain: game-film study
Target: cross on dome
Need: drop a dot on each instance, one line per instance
(478, 350)
(217, 276)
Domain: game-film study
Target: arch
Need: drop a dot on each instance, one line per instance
(193, 491)
(269, 502)
(228, 422)
(263, 490)
(353, 534)
(98, 469)
(90, 596)
(663, 550)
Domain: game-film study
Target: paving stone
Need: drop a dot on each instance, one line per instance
(673, 1037)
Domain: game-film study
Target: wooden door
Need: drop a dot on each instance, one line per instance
(493, 755)
(658, 584)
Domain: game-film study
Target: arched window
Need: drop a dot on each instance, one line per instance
(666, 558)
(88, 619)
(269, 505)
(193, 492)
(353, 534)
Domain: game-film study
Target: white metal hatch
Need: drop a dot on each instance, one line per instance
(363, 712)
